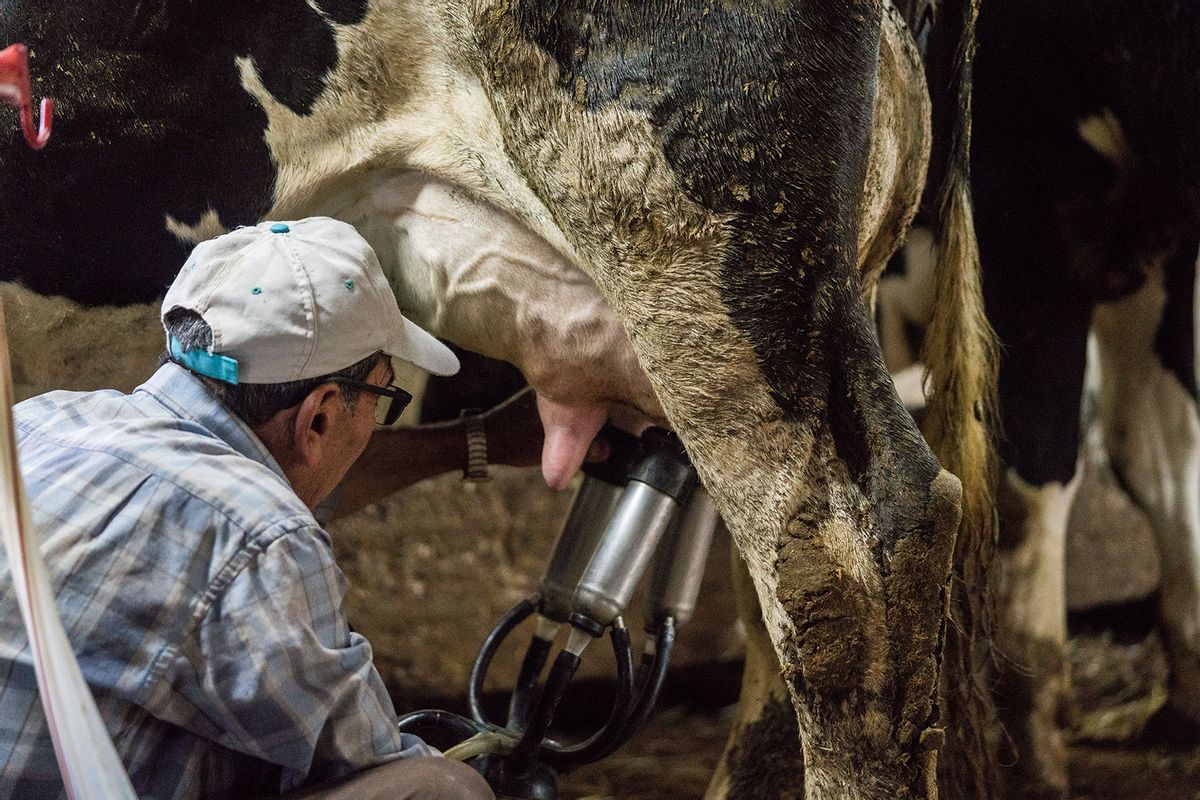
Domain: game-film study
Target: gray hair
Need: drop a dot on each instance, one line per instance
(255, 403)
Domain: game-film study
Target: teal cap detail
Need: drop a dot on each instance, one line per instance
(210, 365)
(256, 290)
(280, 227)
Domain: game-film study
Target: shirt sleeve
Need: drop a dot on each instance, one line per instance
(274, 671)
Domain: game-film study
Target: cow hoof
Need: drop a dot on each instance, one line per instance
(1169, 728)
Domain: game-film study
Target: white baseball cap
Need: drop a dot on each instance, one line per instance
(289, 301)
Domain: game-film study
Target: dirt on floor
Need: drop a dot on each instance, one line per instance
(673, 757)
(1119, 685)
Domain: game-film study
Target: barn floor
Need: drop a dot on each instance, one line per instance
(673, 758)
(1118, 685)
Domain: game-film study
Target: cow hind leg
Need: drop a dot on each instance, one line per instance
(1152, 431)
(763, 759)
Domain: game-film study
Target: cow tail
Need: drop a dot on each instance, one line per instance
(961, 356)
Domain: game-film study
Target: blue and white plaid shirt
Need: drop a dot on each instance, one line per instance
(200, 596)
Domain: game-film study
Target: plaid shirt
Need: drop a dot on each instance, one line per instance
(200, 596)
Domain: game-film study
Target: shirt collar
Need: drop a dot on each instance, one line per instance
(187, 398)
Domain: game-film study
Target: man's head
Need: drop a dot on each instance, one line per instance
(290, 325)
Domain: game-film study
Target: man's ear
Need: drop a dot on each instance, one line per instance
(319, 412)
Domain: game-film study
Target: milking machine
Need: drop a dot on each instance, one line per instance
(641, 509)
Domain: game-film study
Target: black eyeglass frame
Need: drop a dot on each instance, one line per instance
(400, 397)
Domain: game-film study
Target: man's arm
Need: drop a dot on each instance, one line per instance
(399, 457)
(273, 671)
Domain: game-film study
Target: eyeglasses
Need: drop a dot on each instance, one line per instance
(390, 400)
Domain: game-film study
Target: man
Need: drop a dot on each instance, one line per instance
(197, 588)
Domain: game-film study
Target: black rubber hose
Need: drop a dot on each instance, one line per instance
(526, 751)
(525, 692)
(567, 757)
(649, 689)
(439, 727)
(515, 616)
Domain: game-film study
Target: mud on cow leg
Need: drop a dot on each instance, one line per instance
(860, 667)
(836, 669)
(1152, 431)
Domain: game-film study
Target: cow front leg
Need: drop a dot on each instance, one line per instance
(1040, 391)
(1152, 432)
(1041, 314)
(1034, 679)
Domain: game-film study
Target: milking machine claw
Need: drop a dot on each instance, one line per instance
(640, 507)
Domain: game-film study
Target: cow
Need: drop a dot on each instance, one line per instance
(1087, 126)
(1086, 177)
(656, 207)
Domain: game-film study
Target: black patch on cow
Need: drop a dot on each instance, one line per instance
(766, 761)
(151, 120)
(764, 113)
(1175, 342)
(480, 383)
(1061, 226)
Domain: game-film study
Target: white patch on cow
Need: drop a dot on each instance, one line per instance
(1103, 133)
(1152, 431)
(1031, 575)
(474, 274)
(208, 227)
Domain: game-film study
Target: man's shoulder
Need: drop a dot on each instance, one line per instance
(63, 407)
(117, 442)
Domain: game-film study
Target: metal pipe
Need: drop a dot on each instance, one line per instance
(659, 483)
(678, 567)
(598, 497)
(593, 507)
(620, 560)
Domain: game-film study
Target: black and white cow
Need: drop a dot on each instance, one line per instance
(1086, 170)
(1086, 175)
(659, 207)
